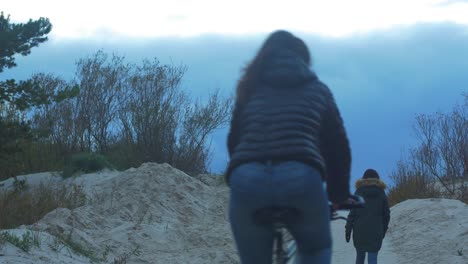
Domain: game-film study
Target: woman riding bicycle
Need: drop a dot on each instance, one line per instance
(286, 138)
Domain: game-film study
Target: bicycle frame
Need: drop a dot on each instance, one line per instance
(283, 256)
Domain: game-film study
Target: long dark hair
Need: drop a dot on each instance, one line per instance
(278, 40)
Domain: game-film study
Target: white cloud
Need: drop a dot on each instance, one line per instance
(149, 18)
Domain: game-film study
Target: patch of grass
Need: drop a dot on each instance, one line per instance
(106, 252)
(25, 242)
(27, 206)
(36, 239)
(122, 259)
(20, 185)
(56, 245)
(221, 180)
(85, 163)
(62, 241)
(78, 248)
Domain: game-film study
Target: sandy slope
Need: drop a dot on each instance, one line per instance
(171, 217)
(430, 231)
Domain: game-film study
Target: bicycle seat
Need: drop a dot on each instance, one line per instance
(276, 215)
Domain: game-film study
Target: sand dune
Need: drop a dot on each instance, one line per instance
(158, 214)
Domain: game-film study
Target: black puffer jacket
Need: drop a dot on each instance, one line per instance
(292, 116)
(369, 224)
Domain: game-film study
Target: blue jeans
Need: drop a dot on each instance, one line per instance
(361, 256)
(290, 184)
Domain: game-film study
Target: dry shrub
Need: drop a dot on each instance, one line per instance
(410, 184)
(25, 206)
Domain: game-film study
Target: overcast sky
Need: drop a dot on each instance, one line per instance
(149, 18)
(385, 61)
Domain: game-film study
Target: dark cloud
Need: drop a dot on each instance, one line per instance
(381, 80)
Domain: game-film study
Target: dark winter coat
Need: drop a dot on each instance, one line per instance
(292, 115)
(369, 224)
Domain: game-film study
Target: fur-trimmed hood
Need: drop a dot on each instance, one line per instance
(371, 182)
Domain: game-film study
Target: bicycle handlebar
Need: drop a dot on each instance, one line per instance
(354, 201)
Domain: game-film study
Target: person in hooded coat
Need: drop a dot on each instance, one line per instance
(369, 224)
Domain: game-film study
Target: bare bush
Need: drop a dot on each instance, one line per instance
(199, 122)
(440, 160)
(160, 123)
(51, 125)
(15, 133)
(152, 111)
(130, 113)
(101, 80)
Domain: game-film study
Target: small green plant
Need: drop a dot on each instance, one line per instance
(105, 254)
(122, 259)
(85, 163)
(25, 242)
(221, 180)
(62, 241)
(56, 245)
(20, 185)
(36, 239)
(2, 240)
(65, 240)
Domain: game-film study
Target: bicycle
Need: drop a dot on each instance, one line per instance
(278, 217)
